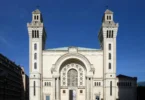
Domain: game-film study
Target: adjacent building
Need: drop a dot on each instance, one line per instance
(76, 73)
(14, 83)
(127, 87)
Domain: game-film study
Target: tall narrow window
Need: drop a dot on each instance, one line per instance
(109, 55)
(35, 65)
(112, 33)
(34, 88)
(109, 46)
(37, 17)
(37, 34)
(32, 33)
(72, 76)
(99, 83)
(35, 46)
(35, 56)
(107, 34)
(110, 17)
(34, 17)
(95, 84)
(49, 84)
(109, 65)
(110, 88)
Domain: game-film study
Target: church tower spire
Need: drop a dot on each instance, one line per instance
(107, 37)
(108, 16)
(37, 38)
(36, 16)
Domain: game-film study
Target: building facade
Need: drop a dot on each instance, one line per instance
(12, 79)
(73, 73)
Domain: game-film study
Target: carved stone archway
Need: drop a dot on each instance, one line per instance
(57, 66)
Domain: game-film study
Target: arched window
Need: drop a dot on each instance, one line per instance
(34, 17)
(110, 88)
(109, 55)
(49, 84)
(37, 17)
(107, 34)
(109, 46)
(110, 34)
(110, 17)
(35, 56)
(37, 34)
(72, 77)
(32, 33)
(99, 83)
(109, 65)
(35, 46)
(35, 65)
(95, 84)
(34, 88)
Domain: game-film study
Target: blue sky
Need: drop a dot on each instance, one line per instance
(76, 23)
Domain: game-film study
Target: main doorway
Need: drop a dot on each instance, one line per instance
(72, 94)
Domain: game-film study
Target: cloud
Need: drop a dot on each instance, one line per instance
(5, 41)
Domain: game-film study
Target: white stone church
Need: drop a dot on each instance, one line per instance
(77, 73)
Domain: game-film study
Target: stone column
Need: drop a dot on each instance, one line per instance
(91, 88)
(88, 93)
(57, 88)
(53, 88)
(86, 85)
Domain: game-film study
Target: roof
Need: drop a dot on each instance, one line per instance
(108, 11)
(124, 76)
(37, 11)
(66, 48)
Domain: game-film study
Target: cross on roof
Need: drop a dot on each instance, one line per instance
(37, 6)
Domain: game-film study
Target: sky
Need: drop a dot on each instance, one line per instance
(76, 23)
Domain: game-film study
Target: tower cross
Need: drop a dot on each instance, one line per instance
(37, 6)
(107, 6)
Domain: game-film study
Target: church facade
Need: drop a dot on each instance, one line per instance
(75, 73)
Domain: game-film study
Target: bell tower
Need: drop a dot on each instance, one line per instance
(37, 38)
(107, 37)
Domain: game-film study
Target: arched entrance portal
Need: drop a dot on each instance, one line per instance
(72, 81)
(72, 77)
(60, 70)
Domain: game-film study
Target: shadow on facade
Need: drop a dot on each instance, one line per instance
(141, 93)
